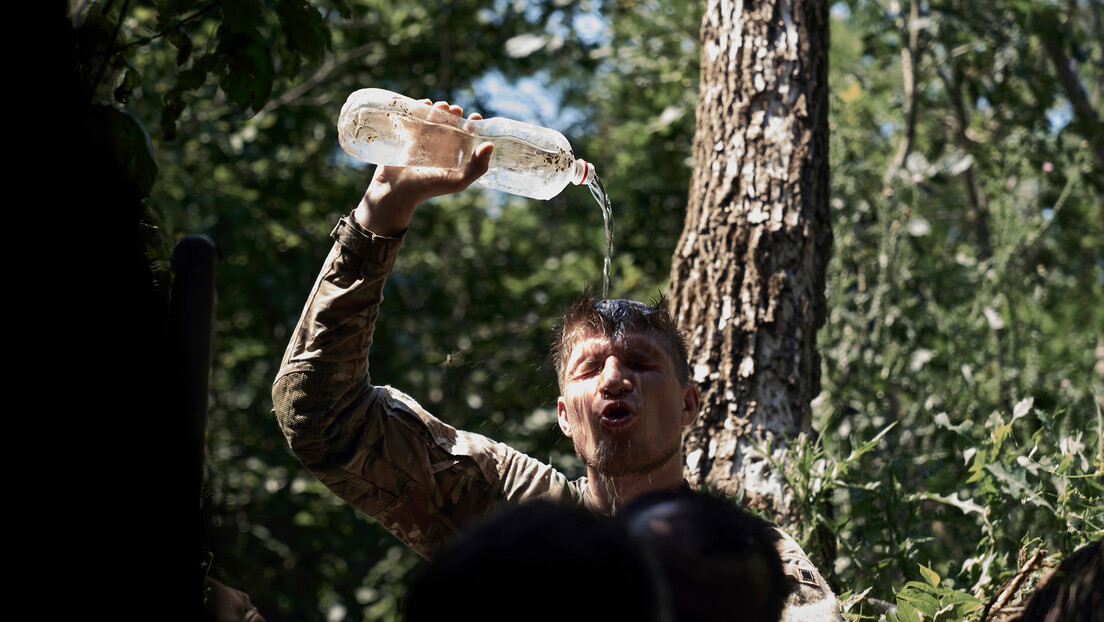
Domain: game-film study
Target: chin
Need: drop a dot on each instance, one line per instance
(619, 459)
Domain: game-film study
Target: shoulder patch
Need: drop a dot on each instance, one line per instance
(801, 571)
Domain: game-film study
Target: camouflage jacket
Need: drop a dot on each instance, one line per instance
(375, 446)
(380, 451)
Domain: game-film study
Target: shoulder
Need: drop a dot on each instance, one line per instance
(811, 599)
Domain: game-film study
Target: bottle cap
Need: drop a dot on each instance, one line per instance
(584, 172)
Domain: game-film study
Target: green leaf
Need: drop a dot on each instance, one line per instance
(242, 14)
(1000, 433)
(247, 71)
(966, 505)
(946, 614)
(924, 603)
(905, 611)
(956, 597)
(302, 26)
(131, 80)
(172, 106)
(183, 44)
(929, 575)
(943, 421)
(1022, 408)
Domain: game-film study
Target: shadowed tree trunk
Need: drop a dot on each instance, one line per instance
(747, 281)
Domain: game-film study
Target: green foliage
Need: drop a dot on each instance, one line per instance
(241, 101)
(1032, 485)
(964, 312)
(930, 601)
(238, 41)
(960, 413)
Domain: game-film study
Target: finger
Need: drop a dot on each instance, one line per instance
(456, 110)
(475, 116)
(479, 162)
(460, 178)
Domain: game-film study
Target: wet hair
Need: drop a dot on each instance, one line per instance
(613, 319)
(1074, 592)
(544, 562)
(720, 561)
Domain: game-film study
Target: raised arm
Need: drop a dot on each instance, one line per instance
(374, 446)
(330, 343)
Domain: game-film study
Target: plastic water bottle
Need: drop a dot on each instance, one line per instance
(381, 127)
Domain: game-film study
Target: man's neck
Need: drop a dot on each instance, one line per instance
(609, 494)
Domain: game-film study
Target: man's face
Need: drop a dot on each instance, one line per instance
(623, 406)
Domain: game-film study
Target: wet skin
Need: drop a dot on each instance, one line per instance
(624, 407)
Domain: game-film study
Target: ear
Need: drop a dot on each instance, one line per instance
(561, 415)
(691, 404)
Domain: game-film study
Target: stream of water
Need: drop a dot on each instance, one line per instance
(599, 192)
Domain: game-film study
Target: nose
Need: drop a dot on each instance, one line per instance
(615, 380)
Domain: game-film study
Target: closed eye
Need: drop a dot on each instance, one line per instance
(643, 362)
(586, 368)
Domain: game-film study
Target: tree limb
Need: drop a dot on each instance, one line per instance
(319, 76)
(909, 62)
(107, 57)
(176, 26)
(1012, 585)
(978, 212)
(1086, 115)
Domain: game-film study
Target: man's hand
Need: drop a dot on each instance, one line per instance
(389, 203)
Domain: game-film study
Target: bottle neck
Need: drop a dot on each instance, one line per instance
(584, 173)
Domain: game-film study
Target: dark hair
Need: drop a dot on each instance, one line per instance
(613, 318)
(540, 561)
(720, 561)
(1074, 592)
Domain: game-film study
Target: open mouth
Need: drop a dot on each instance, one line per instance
(616, 415)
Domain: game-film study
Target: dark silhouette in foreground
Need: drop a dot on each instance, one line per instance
(540, 561)
(1074, 592)
(720, 561)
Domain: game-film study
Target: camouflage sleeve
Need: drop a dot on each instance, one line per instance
(375, 447)
(811, 599)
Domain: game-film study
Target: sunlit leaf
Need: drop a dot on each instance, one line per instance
(929, 575)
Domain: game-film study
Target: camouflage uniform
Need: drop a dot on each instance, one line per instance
(377, 449)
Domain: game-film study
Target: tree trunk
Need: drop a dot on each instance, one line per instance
(747, 281)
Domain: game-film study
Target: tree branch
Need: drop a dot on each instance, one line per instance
(978, 212)
(1087, 118)
(176, 26)
(107, 57)
(909, 61)
(319, 76)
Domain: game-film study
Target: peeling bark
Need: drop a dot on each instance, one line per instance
(747, 282)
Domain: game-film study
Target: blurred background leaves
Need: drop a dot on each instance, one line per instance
(964, 292)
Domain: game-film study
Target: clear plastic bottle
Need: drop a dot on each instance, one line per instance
(381, 127)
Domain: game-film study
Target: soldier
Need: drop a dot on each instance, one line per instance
(625, 397)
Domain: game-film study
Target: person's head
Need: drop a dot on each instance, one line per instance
(625, 390)
(720, 561)
(540, 561)
(1073, 592)
(588, 316)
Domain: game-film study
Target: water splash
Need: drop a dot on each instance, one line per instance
(599, 193)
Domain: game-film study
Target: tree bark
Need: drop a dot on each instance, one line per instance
(747, 281)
